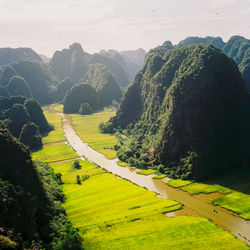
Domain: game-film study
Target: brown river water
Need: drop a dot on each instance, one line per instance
(223, 218)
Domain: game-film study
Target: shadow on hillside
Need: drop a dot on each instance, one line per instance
(237, 179)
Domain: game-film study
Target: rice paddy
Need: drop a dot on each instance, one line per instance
(54, 152)
(236, 202)
(86, 127)
(146, 171)
(112, 213)
(178, 183)
(54, 119)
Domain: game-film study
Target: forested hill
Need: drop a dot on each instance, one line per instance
(74, 63)
(30, 201)
(237, 48)
(25, 119)
(9, 55)
(188, 109)
(100, 78)
(29, 79)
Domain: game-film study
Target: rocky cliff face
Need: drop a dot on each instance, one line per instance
(188, 102)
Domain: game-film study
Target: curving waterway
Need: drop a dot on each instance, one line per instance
(221, 217)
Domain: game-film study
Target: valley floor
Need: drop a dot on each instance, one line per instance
(112, 213)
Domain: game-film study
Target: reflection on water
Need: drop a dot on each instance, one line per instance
(224, 219)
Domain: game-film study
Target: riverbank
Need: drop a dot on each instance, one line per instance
(157, 186)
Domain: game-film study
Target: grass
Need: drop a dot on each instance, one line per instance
(122, 164)
(113, 213)
(197, 188)
(146, 171)
(55, 135)
(54, 152)
(178, 183)
(161, 176)
(236, 202)
(86, 127)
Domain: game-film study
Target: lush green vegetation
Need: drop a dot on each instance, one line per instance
(100, 78)
(18, 113)
(77, 95)
(160, 176)
(55, 120)
(157, 114)
(237, 48)
(54, 152)
(30, 136)
(196, 188)
(178, 183)
(130, 217)
(86, 127)
(236, 202)
(29, 193)
(122, 164)
(146, 171)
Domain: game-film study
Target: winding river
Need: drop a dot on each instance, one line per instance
(221, 217)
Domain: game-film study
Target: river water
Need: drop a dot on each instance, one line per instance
(222, 217)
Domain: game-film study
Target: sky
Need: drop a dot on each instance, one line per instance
(50, 25)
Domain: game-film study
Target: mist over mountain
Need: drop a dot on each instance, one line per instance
(9, 55)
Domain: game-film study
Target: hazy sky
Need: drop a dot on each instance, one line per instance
(49, 25)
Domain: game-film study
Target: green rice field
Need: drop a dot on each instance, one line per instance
(112, 213)
(146, 171)
(86, 127)
(54, 152)
(236, 202)
(54, 119)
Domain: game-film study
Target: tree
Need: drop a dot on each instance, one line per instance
(76, 165)
(85, 109)
(30, 136)
(78, 180)
(78, 94)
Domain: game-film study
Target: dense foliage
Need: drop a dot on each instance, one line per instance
(237, 48)
(30, 136)
(100, 78)
(30, 198)
(78, 94)
(188, 110)
(18, 111)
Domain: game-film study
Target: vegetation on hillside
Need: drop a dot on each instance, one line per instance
(30, 199)
(17, 112)
(168, 121)
(100, 78)
(78, 94)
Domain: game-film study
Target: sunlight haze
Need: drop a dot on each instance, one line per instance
(48, 25)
